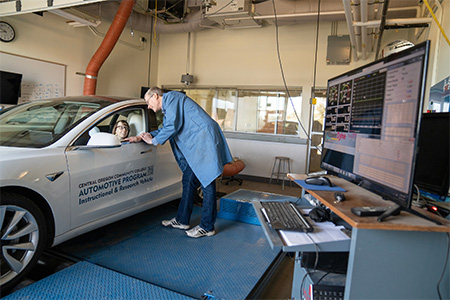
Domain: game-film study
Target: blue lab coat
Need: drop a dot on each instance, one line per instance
(196, 139)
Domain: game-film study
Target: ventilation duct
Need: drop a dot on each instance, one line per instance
(107, 45)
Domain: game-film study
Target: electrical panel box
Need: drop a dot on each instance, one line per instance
(338, 50)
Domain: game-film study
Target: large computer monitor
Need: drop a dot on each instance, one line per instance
(433, 158)
(371, 123)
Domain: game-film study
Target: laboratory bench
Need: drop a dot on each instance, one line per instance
(402, 257)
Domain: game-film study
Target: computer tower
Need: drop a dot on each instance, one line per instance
(335, 262)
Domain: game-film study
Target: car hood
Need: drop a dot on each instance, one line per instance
(13, 153)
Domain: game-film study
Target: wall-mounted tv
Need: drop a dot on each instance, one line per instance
(10, 87)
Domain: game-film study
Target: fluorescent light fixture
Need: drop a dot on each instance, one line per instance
(16, 7)
(77, 21)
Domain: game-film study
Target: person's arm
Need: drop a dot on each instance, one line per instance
(173, 119)
(147, 137)
(133, 139)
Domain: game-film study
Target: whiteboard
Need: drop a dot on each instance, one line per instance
(41, 79)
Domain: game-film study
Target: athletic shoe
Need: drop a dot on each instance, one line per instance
(174, 223)
(197, 232)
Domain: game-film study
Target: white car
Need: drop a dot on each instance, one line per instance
(63, 173)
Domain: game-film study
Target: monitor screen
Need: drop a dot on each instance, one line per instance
(9, 87)
(433, 160)
(371, 123)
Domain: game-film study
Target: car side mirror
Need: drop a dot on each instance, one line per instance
(101, 140)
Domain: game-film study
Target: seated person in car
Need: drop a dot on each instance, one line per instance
(121, 129)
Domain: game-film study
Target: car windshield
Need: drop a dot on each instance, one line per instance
(40, 123)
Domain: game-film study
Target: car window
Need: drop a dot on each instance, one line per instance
(135, 119)
(38, 124)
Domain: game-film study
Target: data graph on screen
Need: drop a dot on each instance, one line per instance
(378, 106)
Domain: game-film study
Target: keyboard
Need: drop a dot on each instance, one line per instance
(328, 292)
(285, 216)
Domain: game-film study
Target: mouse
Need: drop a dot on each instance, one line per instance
(319, 214)
(318, 180)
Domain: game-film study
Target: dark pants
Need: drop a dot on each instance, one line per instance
(209, 208)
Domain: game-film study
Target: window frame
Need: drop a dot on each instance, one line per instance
(112, 117)
(257, 136)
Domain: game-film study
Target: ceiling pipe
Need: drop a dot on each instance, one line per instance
(364, 14)
(107, 45)
(296, 15)
(351, 30)
(377, 17)
(371, 16)
(355, 4)
(376, 23)
(382, 24)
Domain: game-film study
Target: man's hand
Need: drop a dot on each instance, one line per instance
(133, 139)
(146, 137)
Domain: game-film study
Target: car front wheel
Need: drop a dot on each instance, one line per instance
(23, 233)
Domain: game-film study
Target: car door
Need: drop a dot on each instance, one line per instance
(105, 181)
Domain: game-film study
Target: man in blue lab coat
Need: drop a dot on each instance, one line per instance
(200, 150)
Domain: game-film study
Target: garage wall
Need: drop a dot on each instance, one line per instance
(50, 38)
(259, 156)
(248, 57)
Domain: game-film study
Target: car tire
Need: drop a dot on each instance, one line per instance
(23, 234)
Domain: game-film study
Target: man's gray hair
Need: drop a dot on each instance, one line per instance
(153, 90)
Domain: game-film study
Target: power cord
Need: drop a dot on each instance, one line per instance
(324, 275)
(315, 264)
(282, 74)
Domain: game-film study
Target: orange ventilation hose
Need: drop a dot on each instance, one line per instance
(110, 40)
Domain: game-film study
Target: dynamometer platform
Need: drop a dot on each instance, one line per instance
(138, 258)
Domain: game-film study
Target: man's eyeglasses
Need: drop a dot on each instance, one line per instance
(122, 127)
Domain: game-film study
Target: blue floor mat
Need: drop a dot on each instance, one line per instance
(227, 265)
(88, 281)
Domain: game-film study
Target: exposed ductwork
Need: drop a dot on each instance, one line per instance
(193, 21)
(288, 12)
(262, 12)
(365, 20)
(107, 45)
